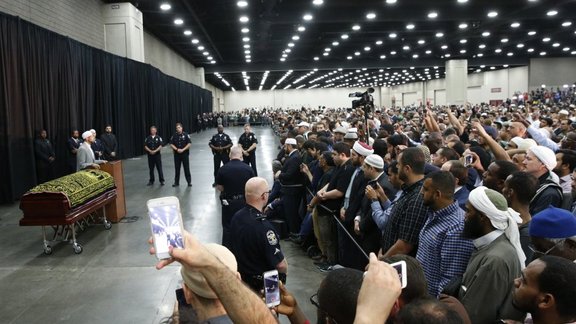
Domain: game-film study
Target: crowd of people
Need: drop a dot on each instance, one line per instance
(477, 200)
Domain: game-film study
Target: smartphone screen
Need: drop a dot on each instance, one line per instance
(271, 288)
(468, 159)
(166, 223)
(400, 267)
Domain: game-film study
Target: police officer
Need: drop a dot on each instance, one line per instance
(220, 145)
(153, 145)
(180, 143)
(248, 142)
(231, 181)
(255, 243)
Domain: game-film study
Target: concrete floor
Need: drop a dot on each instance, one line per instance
(114, 279)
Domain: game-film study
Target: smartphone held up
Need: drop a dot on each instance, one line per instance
(166, 225)
(272, 288)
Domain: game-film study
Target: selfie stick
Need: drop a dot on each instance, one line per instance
(341, 225)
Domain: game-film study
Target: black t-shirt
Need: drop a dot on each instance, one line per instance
(340, 180)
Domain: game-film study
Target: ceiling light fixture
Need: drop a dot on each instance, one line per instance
(515, 25)
(295, 37)
(195, 41)
(242, 4)
(463, 26)
(550, 14)
(486, 34)
(390, 1)
(165, 6)
(392, 35)
(307, 17)
(344, 36)
(410, 26)
(245, 30)
(187, 32)
(492, 14)
(432, 15)
(532, 33)
(301, 28)
(370, 15)
(317, 2)
(356, 27)
(566, 24)
(178, 21)
(244, 19)
(439, 34)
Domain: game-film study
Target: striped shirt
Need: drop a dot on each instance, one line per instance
(443, 252)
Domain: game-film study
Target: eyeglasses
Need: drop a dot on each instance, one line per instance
(547, 251)
(314, 301)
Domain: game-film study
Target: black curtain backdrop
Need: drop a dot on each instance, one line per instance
(48, 81)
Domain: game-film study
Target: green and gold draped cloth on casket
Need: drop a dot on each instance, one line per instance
(78, 187)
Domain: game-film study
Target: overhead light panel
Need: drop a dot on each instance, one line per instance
(307, 17)
(301, 28)
(432, 15)
(317, 2)
(370, 15)
(492, 14)
(242, 4)
(165, 6)
(178, 21)
(187, 32)
(244, 19)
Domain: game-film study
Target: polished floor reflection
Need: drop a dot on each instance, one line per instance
(114, 279)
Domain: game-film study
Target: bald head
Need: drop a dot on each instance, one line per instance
(236, 153)
(256, 192)
(517, 129)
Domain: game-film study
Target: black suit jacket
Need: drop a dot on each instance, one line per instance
(290, 174)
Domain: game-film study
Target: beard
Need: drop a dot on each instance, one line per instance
(472, 228)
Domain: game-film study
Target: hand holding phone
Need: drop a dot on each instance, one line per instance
(271, 288)
(166, 225)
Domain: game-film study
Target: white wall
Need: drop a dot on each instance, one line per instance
(292, 99)
(553, 72)
(217, 97)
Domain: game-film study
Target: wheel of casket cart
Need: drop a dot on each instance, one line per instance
(107, 225)
(77, 248)
(47, 250)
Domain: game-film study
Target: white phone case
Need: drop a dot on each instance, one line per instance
(166, 225)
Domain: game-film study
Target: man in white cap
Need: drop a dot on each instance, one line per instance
(348, 251)
(339, 133)
(540, 161)
(364, 225)
(85, 156)
(198, 292)
(486, 290)
(304, 129)
(292, 182)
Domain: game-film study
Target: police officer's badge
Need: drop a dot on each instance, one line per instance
(271, 236)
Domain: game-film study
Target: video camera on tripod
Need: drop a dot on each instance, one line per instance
(366, 100)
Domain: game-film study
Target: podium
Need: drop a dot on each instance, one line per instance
(116, 210)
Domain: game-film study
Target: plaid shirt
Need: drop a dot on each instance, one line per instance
(443, 252)
(406, 218)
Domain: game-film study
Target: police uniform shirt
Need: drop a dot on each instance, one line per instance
(180, 140)
(247, 140)
(233, 177)
(220, 140)
(153, 142)
(255, 243)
